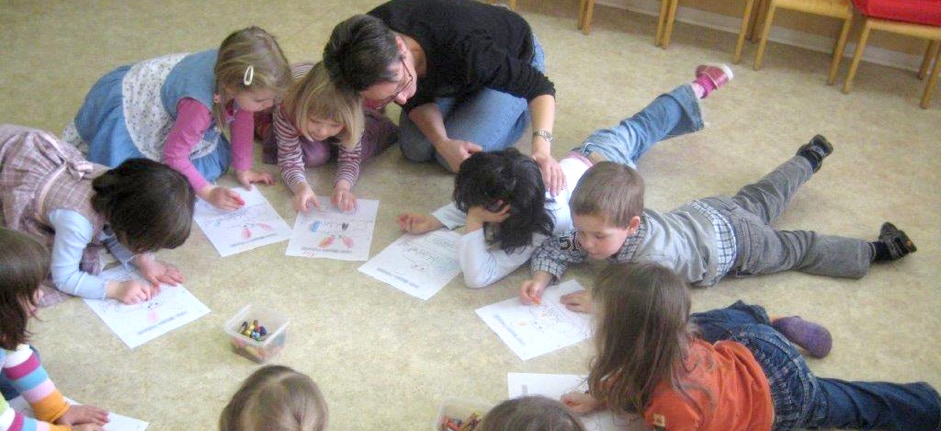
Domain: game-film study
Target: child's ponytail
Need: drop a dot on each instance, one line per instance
(249, 60)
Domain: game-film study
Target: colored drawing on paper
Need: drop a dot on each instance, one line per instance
(334, 234)
(419, 265)
(253, 225)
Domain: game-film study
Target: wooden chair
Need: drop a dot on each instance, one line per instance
(919, 19)
(841, 9)
(668, 16)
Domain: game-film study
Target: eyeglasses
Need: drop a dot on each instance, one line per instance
(402, 84)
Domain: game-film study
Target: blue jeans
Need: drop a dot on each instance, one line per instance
(492, 119)
(669, 115)
(802, 400)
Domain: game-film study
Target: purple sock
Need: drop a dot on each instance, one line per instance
(813, 338)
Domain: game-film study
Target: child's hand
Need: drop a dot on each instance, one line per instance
(78, 415)
(531, 290)
(578, 301)
(305, 198)
(222, 198)
(418, 223)
(552, 173)
(343, 197)
(249, 176)
(157, 272)
(129, 291)
(480, 215)
(580, 402)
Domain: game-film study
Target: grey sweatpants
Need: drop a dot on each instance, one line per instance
(762, 249)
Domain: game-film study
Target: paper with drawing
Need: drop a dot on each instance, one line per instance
(555, 385)
(419, 265)
(254, 225)
(333, 234)
(116, 422)
(533, 330)
(139, 323)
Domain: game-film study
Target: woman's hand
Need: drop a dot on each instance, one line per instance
(455, 152)
(552, 174)
(248, 177)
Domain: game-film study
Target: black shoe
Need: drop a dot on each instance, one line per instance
(815, 151)
(896, 240)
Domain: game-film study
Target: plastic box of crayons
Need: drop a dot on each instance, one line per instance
(257, 333)
(458, 414)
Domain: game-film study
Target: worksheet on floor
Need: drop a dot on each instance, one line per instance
(419, 265)
(116, 422)
(136, 324)
(331, 233)
(533, 330)
(556, 385)
(253, 225)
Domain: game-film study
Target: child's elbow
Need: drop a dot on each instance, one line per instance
(476, 282)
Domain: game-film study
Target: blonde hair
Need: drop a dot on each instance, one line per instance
(609, 190)
(317, 96)
(276, 398)
(249, 60)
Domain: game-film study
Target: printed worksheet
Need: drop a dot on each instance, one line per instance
(116, 422)
(333, 234)
(419, 265)
(556, 385)
(533, 330)
(254, 225)
(139, 323)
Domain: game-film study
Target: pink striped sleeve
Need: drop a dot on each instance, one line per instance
(348, 161)
(290, 155)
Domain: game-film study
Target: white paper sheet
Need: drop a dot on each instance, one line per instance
(533, 330)
(254, 225)
(419, 265)
(333, 234)
(556, 385)
(116, 422)
(139, 323)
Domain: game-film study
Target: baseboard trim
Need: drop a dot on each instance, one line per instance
(873, 54)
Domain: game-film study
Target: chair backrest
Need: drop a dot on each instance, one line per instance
(926, 12)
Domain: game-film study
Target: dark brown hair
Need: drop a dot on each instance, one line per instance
(531, 413)
(611, 191)
(360, 53)
(24, 264)
(275, 398)
(642, 334)
(148, 205)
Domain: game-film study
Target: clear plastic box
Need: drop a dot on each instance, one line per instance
(267, 347)
(459, 408)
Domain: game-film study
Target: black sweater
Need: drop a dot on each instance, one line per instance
(468, 46)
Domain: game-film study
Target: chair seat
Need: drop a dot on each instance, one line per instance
(926, 12)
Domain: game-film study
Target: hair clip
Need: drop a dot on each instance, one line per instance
(249, 75)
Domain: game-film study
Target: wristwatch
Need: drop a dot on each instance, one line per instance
(544, 134)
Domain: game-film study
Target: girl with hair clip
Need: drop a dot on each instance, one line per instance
(502, 201)
(725, 369)
(276, 398)
(183, 110)
(25, 263)
(531, 413)
(317, 122)
(76, 207)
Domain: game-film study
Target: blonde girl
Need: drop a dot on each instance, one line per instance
(317, 122)
(24, 263)
(276, 398)
(531, 413)
(185, 109)
(725, 369)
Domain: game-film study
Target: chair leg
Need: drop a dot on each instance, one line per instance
(930, 54)
(838, 51)
(586, 20)
(933, 79)
(743, 31)
(671, 18)
(761, 6)
(860, 47)
(512, 4)
(766, 29)
(661, 21)
(581, 14)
